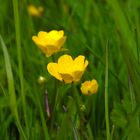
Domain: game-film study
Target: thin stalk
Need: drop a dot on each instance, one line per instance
(77, 103)
(133, 100)
(18, 43)
(137, 44)
(43, 121)
(56, 97)
(3, 90)
(106, 96)
(75, 131)
(132, 96)
(112, 132)
(76, 97)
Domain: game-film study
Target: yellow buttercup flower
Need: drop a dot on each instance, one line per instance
(67, 69)
(50, 42)
(35, 11)
(89, 87)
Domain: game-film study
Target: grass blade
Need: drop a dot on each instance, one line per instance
(11, 88)
(106, 96)
(18, 43)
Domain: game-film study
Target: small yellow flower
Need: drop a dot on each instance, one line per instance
(67, 69)
(50, 42)
(35, 11)
(89, 87)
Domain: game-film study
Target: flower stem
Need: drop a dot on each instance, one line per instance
(106, 96)
(55, 98)
(77, 103)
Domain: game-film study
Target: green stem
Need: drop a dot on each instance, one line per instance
(106, 96)
(55, 97)
(112, 132)
(77, 99)
(77, 102)
(18, 43)
(133, 100)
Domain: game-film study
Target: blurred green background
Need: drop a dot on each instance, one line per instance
(97, 29)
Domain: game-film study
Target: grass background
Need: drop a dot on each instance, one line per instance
(107, 32)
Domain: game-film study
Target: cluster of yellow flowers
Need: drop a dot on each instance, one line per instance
(66, 69)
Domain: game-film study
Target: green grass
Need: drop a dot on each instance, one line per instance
(107, 33)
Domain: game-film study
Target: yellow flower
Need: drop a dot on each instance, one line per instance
(89, 87)
(50, 42)
(67, 69)
(35, 11)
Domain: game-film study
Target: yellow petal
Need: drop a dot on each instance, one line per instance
(37, 42)
(77, 75)
(35, 39)
(85, 87)
(94, 86)
(65, 59)
(86, 64)
(53, 70)
(60, 42)
(54, 35)
(79, 63)
(42, 34)
(50, 49)
(65, 64)
(40, 44)
(67, 78)
(61, 33)
(79, 60)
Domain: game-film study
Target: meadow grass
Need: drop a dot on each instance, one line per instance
(107, 33)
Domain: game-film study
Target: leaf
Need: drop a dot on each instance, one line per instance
(118, 116)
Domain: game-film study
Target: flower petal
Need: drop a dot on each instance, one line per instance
(61, 33)
(42, 34)
(53, 70)
(60, 42)
(67, 78)
(85, 87)
(79, 63)
(39, 43)
(35, 39)
(86, 64)
(55, 35)
(51, 49)
(65, 64)
(94, 86)
(77, 75)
